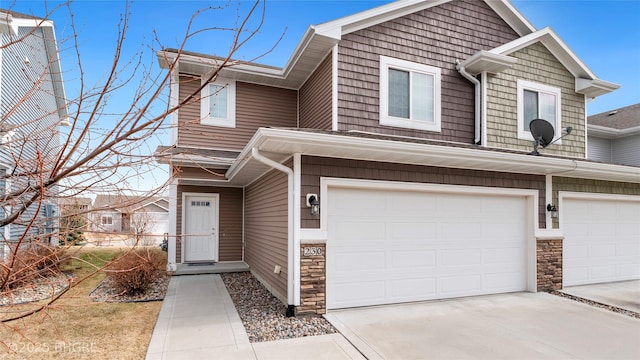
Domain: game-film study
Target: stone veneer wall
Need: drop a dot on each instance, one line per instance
(549, 264)
(312, 280)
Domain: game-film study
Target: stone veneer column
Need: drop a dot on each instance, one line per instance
(549, 264)
(312, 280)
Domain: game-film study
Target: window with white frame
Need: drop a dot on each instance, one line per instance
(537, 101)
(5, 209)
(107, 220)
(409, 94)
(218, 105)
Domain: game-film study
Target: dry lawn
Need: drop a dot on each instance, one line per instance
(75, 327)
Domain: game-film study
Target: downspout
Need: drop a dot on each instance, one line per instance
(475, 82)
(290, 263)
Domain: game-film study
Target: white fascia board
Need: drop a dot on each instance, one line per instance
(611, 133)
(7, 24)
(594, 88)
(426, 154)
(489, 62)
(512, 16)
(371, 17)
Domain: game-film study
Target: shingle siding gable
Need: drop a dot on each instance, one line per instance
(437, 37)
(537, 64)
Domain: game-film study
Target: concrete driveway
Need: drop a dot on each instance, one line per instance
(506, 326)
(623, 294)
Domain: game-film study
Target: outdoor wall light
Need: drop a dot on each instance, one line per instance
(312, 202)
(553, 210)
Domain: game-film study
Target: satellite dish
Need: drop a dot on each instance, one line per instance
(542, 132)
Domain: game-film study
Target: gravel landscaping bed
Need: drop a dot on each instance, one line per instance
(263, 315)
(40, 289)
(105, 292)
(598, 304)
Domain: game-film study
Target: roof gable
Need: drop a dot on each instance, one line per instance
(586, 81)
(319, 40)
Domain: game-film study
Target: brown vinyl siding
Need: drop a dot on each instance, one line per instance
(266, 230)
(536, 64)
(199, 173)
(437, 36)
(313, 168)
(256, 106)
(315, 98)
(593, 186)
(230, 220)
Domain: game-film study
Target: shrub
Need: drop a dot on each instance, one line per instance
(37, 260)
(136, 270)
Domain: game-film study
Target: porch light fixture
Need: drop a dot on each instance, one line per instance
(553, 210)
(313, 204)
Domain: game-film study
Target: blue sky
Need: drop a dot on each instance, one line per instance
(604, 34)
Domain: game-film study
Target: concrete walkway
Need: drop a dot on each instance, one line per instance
(198, 320)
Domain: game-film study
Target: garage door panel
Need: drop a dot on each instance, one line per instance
(459, 230)
(413, 259)
(418, 229)
(370, 292)
(602, 241)
(430, 254)
(360, 261)
(460, 257)
(360, 230)
(504, 281)
(504, 255)
(460, 285)
(413, 288)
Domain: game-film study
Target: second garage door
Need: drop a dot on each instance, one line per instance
(602, 240)
(397, 246)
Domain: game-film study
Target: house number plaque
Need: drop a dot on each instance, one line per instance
(312, 251)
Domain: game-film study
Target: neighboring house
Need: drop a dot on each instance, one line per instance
(388, 162)
(75, 207)
(131, 215)
(32, 109)
(614, 136)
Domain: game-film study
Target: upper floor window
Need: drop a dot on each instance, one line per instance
(218, 105)
(409, 94)
(537, 101)
(107, 220)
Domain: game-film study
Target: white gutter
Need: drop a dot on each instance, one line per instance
(611, 132)
(475, 82)
(291, 252)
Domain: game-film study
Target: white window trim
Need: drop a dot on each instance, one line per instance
(523, 133)
(230, 121)
(7, 208)
(105, 217)
(385, 119)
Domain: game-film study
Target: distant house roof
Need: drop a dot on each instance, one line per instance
(127, 203)
(75, 201)
(615, 123)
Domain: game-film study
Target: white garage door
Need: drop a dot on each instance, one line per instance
(388, 247)
(602, 241)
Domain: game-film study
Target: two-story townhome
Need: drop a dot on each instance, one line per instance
(614, 136)
(389, 161)
(32, 109)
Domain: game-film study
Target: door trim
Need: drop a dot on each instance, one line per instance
(216, 224)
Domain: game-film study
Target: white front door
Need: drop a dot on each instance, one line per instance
(200, 227)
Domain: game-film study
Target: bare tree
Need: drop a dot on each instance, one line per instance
(100, 150)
